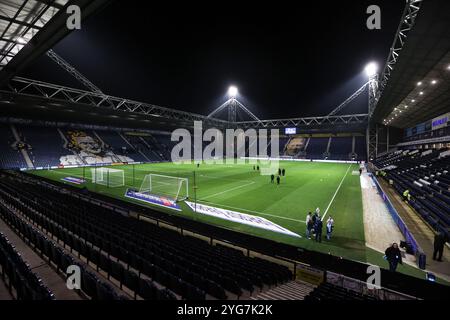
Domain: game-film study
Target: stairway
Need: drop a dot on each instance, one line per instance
(22, 151)
(293, 290)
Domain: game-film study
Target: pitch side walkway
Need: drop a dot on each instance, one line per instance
(422, 233)
(380, 230)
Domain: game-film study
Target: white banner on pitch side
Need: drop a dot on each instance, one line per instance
(239, 217)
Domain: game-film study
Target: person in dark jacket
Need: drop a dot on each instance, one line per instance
(439, 243)
(318, 229)
(393, 256)
(272, 177)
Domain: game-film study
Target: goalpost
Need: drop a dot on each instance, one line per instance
(108, 177)
(173, 187)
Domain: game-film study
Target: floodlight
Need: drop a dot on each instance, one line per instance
(232, 91)
(371, 69)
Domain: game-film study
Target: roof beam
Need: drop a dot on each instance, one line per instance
(47, 37)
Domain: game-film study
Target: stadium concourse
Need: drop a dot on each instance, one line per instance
(94, 205)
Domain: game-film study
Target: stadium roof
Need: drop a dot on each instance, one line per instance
(419, 86)
(28, 28)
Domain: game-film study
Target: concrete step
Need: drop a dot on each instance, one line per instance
(293, 290)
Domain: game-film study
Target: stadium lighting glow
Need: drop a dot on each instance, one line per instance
(421, 92)
(413, 100)
(371, 69)
(433, 82)
(21, 40)
(232, 91)
(419, 83)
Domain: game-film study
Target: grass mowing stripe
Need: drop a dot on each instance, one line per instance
(257, 212)
(228, 190)
(334, 196)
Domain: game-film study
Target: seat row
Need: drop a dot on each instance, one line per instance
(18, 275)
(92, 286)
(330, 292)
(190, 259)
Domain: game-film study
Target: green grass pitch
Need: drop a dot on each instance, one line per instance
(306, 186)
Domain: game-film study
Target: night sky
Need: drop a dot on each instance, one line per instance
(288, 59)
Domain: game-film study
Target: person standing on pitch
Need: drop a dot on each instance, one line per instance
(309, 224)
(283, 172)
(279, 171)
(278, 180)
(318, 229)
(272, 177)
(329, 227)
(393, 256)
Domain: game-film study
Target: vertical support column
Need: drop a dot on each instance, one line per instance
(372, 127)
(232, 109)
(387, 139)
(372, 141)
(353, 144)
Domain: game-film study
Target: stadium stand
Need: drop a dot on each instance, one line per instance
(161, 146)
(426, 175)
(51, 146)
(116, 147)
(294, 146)
(340, 148)
(10, 158)
(46, 145)
(317, 147)
(330, 292)
(19, 278)
(360, 147)
(293, 290)
(142, 147)
(188, 267)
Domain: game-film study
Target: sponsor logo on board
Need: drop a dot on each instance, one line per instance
(152, 199)
(74, 180)
(239, 217)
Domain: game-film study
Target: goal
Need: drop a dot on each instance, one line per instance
(108, 177)
(172, 187)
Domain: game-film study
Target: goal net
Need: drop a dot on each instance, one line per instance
(108, 177)
(172, 187)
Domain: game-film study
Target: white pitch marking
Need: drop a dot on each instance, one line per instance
(337, 190)
(257, 212)
(228, 190)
